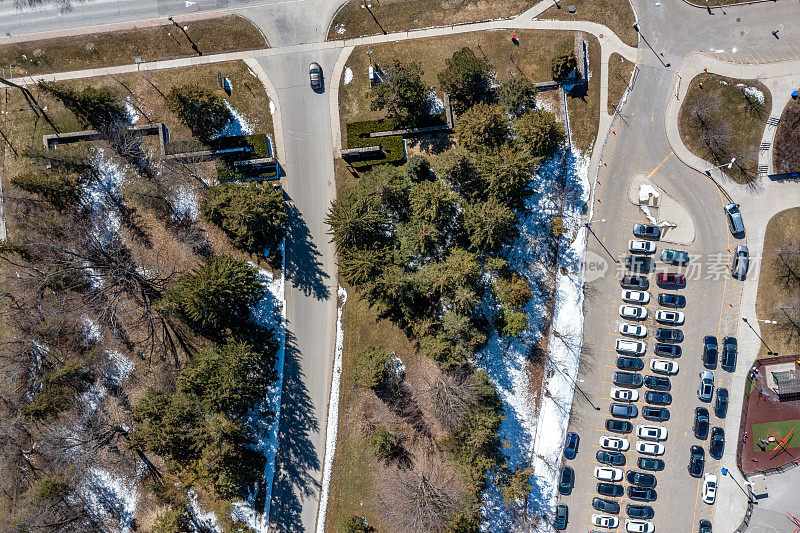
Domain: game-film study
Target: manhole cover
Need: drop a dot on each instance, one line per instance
(738, 19)
(572, 9)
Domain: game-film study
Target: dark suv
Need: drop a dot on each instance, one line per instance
(614, 490)
(641, 479)
(717, 443)
(710, 352)
(729, 347)
(623, 410)
(658, 397)
(610, 458)
(641, 494)
(629, 363)
(667, 350)
(635, 282)
(667, 299)
(721, 405)
(657, 382)
(644, 512)
(650, 463)
(647, 231)
(669, 335)
(696, 461)
(566, 480)
(658, 414)
(605, 506)
(562, 516)
(619, 426)
(627, 379)
(700, 426)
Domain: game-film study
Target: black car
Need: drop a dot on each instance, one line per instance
(667, 350)
(729, 348)
(710, 352)
(623, 410)
(697, 460)
(566, 480)
(658, 414)
(721, 404)
(700, 426)
(650, 463)
(641, 479)
(613, 490)
(605, 506)
(669, 335)
(627, 379)
(629, 363)
(619, 426)
(610, 458)
(645, 512)
(667, 299)
(717, 443)
(638, 264)
(647, 231)
(704, 527)
(657, 397)
(641, 494)
(657, 382)
(635, 282)
(562, 515)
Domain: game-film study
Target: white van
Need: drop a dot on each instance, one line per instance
(633, 347)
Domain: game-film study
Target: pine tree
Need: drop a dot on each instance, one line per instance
(508, 172)
(482, 127)
(466, 79)
(403, 95)
(539, 133)
(458, 167)
(98, 107)
(490, 225)
(518, 96)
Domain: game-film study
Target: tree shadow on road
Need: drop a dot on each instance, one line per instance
(296, 462)
(302, 264)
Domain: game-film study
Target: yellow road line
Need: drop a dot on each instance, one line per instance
(659, 165)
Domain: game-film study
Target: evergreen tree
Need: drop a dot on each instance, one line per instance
(97, 107)
(539, 133)
(418, 168)
(432, 201)
(403, 95)
(466, 79)
(419, 240)
(458, 167)
(360, 266)
(512, 291)
(563, 64)
(199, 109)
(373, 366)
(357, 223)
(518, 96)
(490, 225)
(508, 172)
(482, 127)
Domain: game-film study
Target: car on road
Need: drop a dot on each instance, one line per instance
(705, 386)
(631, 346)
(634, 282)
(639, 526)
(614, 444)
(610, 458)
(667, 350)
(657, 382)
(649, 448)
(613, 490)
(716, 445)
(721, 403)
(629, 363)
(667, 299)
(638, 264)
(633, 330)
(704, 526)
(623, 410)
(650, 463)
(664, 366)
(674, 257)
(642, 479)
(658, 397)
(647, 432)
(640, 511)
(656, 414)
(697, 459)
(571, 445)
(635, 297)
(641, 247)
(618, 426)
(709, 488)
(710, 352)
(562, 516)
(566, 480)
(669, 335)
(671, 278)
(633, 312)
(729, 350)
(735, 222)
(315, 76)
(627, 379)
(624, 395)
(700, 426)
(642, 494)
(604, 520)
(608, 473)
(667, 316)
(741, 262)
(646, 231)
(605, 506)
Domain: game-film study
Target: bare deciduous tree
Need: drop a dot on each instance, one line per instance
(450, 398)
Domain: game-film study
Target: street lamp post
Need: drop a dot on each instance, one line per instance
(601, 242)
(580, 389)
(724, 472)
(769, 351)
(727, 165)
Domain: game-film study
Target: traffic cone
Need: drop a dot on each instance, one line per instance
(705, 69)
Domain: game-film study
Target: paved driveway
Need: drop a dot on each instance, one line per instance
(769, 513)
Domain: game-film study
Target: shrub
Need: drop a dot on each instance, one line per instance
(373, 366)
(418, 168)
(482, 127)
(539, 133)
(52, 487)
(355, 524)
(403, 95)
(512, 323)
(563, 64)
(518, 96)
(513, 291)
(383, 443)
(557, 228)
(172, 521)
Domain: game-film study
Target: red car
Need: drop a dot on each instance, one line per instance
(666, 278)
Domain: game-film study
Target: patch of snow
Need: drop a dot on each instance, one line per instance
(91, 331)
(650, 217)
(348, 75)
(333, 415)
(119, 368)
(238, 125)
(398, 370)
(716, 51)
(647, 192)
(95, 281)
(203, 521)
(110, 499)
(752, 92)
(339, 28)
(185, 205)
(101, 194)
(434, 103)
(733, 50)
(92, 398)
(131, 111)
(271, 107)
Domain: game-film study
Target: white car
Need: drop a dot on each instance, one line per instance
(605, 520)
(633, 330)
(651, 432)
(634, 312)
(665, 316)
(607, 473)
(649, 448)
(633, 347)
(615, 444)
(624, 395)
(641, 247)
(636, 297)
(709, 488)
(664, 366)
(639, 526)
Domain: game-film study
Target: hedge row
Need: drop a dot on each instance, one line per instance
(257, 142)
(393, 147)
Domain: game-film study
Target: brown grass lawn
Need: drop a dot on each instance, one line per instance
(743, 122)
(617, 15)
(530, 59)
(774, 290)
(396, 15)
(619, 76)
(231, 33)
(786, 149)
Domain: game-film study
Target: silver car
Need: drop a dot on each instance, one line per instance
(315, 75)
(734, 218)
(705, 389)
(741, 262)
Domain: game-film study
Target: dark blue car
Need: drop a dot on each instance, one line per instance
(571, 446)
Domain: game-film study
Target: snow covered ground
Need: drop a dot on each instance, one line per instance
(532, 432)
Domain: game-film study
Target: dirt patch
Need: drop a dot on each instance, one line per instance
(786, 146)
(617, 15)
